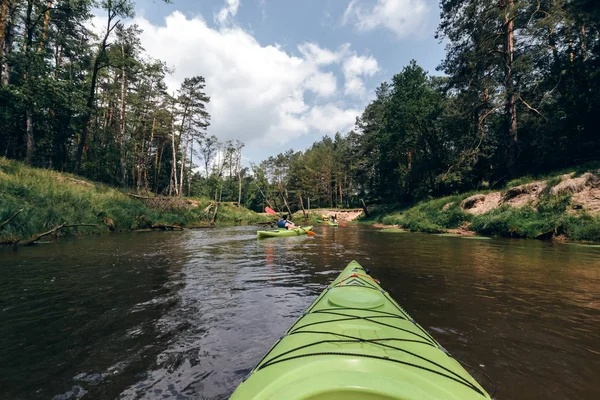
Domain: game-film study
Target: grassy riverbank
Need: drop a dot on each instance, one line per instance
(564, 205)
(48, 199)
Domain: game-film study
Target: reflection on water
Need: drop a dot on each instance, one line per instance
(187, 315)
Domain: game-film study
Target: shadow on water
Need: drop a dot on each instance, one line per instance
(187, 315)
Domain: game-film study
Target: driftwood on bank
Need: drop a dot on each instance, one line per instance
(38, 236)
(165, 227)
(137, 196)
(11, 218)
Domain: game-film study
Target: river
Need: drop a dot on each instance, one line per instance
(186, 315)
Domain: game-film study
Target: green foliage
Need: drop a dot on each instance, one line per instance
(581, 228)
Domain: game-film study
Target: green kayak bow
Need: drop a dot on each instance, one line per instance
(355, 342)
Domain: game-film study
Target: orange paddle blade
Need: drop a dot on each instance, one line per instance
(269, 210)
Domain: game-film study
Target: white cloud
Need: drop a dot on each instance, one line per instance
(403, 17)
(257, 92)
(354, 68)
(331, 119)
(314, 53)
(323, 84)
(228, 12)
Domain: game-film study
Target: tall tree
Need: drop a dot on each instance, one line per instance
(194, 118)
(115, 9)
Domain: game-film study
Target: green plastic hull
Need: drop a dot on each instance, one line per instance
(333, 224)
(355, 342)
(283, 232)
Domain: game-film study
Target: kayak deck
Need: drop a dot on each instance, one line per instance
(281, 232)
(356, 342)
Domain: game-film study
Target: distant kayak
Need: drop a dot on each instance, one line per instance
(333, 223)
(356, 342)
(283, 232)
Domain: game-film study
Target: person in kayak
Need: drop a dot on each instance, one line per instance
(334, 219)
(284, 223)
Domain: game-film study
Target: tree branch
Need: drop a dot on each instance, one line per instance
(531, 108)
(11, 218)
(38, 236)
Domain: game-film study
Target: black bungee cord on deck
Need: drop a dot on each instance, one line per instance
(424, 338)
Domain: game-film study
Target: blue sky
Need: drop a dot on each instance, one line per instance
(281, 73)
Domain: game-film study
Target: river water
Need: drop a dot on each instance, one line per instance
(186, 315)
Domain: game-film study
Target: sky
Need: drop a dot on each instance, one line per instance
(281, 74)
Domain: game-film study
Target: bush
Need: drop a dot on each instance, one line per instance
(581, 228)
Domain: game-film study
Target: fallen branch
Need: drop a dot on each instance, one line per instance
(10, 219)
(546, 235)
(137, 196)
(164, 227)
(207, 209)
(38, 236)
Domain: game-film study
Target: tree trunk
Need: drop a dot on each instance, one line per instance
(181, 132)
(191, 167)
(46, 23)
(58, 56)
(136, 140)
(173, 186)
(239, 185)
(148, 154)
(584, 43)
(511, 97)
(6, 28)
(182, 171)
(122, 120)
(158, 155)
(3, 27)
(364, 206)
(29, 133)
(302, 205)
(286, 204)
(141, 158)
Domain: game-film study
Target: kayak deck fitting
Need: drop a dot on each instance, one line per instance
(281, 232)
(355, 342)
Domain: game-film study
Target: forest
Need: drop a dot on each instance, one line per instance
(518, 93)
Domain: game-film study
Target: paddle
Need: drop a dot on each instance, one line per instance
(269, 210)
